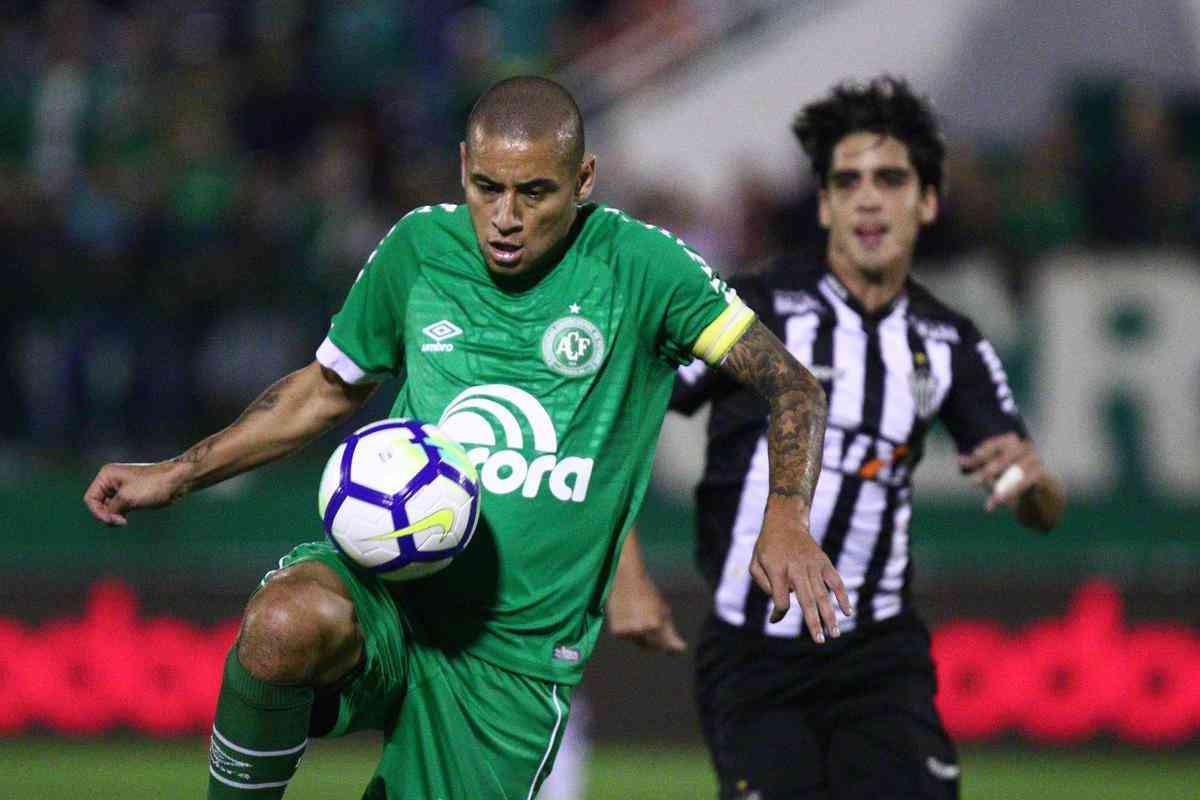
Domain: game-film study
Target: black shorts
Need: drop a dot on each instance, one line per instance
(854, 718)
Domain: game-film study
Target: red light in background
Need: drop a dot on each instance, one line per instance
(1065, 680)
(14, 708)
(1057, 680)
(111, 668)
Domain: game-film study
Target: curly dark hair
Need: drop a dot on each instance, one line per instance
(886, 105)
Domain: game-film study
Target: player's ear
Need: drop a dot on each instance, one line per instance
(929, 205)
(462, 164)
(586, 179)
(823, 215)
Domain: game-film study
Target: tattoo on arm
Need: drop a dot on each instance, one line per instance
(268, 399)
(264, 402)
(196, 453)
(289, 414)
(797, 432)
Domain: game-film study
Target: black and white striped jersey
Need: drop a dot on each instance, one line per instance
(887, 376)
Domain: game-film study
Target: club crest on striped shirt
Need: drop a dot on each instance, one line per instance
(924, 386)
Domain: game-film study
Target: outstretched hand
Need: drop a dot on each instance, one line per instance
(120, 488)
(1005, 465)
(788, 560)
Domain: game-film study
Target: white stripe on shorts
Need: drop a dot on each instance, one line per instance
(549, 747)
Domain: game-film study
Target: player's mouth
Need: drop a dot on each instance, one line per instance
(870, 235)
(506, 254)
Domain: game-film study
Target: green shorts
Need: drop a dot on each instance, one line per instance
(455, 727)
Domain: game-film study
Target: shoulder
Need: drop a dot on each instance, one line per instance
(786, 285)
(934, 319)
(431, 229)
(612, 232)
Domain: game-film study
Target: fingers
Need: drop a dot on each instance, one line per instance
(760, 576)
(1013, 482)
(667, 638)
(987, 450)
(777, 586)
(990, 471)
(992, 455)
(812, 578)
(661, 636)
(991, 464)
(819, 613)
(833, 581)
(100, 497)
(812, 586)
(779, 600)
(1009, 485)
(812, 596)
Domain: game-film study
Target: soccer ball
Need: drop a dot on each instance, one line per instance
(399, 498)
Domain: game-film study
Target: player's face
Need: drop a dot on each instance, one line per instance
(874, 205)
(522, 196)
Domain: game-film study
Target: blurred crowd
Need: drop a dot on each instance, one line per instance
(187, 187)
(179, 178)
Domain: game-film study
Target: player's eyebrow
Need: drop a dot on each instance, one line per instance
(479, 177)
(543, 184)
(851, 173)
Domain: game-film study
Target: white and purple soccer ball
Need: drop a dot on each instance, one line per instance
(399, 498)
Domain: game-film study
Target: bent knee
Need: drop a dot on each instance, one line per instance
(299, 629)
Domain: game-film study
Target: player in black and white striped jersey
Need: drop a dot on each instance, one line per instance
(785, 716)
(886, 374)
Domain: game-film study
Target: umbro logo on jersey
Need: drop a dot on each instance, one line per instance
(440, 331)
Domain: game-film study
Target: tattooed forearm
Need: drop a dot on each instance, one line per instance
(288, 415)
(267, 400)
(264, 402)
(797, 431)
(196, 453)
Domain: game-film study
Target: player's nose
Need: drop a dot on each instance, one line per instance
(868, 196)
(505, 216)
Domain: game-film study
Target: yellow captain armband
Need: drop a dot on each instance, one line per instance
(721, 334)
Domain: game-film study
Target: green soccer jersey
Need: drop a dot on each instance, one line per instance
(556, 388)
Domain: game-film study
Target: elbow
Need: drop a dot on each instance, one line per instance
(814, 393)
(815, 387)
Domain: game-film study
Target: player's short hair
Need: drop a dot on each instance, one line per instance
(528, 107)
(885, 105)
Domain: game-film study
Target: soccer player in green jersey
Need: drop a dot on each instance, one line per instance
(542, 332)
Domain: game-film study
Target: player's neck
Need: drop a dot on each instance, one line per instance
(872, 288)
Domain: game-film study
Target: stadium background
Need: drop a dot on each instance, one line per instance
(187, 189)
